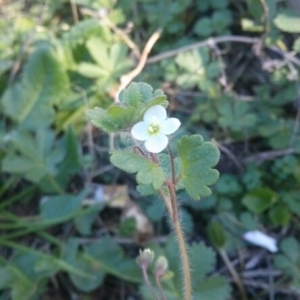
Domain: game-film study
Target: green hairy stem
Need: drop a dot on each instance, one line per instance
(174, 216)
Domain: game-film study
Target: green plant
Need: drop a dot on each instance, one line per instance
(232, 66)
(191, 170)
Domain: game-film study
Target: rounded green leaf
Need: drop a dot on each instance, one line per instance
(259, 200)
(280, 215)
(100, 119)
(216, 235)
(288, 20)
(203, 27)
(121, 117)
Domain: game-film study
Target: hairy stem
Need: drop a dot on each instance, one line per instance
(172, 165)
(187, 282)
(145, 275)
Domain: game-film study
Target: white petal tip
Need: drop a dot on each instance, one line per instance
(156, 144)
(169, 126)
(259, 238)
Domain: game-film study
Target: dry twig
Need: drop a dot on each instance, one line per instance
(205, 43)
(266, 19)
(229, 154)
(127, 78)
(267, 155)
(74, 11)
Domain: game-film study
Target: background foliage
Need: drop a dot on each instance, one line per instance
(69, 228)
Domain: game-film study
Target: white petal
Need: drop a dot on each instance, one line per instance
(140, 131)
(156, 143)
(258, 238)
(169, 126)
(157, 111)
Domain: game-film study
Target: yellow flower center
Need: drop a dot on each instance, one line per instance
(153, 128)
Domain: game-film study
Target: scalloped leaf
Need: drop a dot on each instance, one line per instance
(100, 119)
(138, 93)
(135, 100)
(197, 159)
(131, 95)
(120, 116)
(147, 171)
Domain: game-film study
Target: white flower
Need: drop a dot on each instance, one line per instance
(259, 238)
(155, 128)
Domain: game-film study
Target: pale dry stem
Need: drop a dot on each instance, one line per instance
(127, 78)
(233, 273)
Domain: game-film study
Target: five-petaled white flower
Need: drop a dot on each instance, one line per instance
(259, 238)
(154, 129)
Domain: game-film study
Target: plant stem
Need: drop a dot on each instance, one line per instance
(233, 273)
(139, 150)
(181, 241)
(160, 288)
(171, 204)
(145, 275)
(55, 185)
(21, 195)
(154, 158)
(172, 165)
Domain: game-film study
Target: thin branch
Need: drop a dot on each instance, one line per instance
(287, 55)
(267, 155)
(229, 154)
(74, 11)
(265, 286)
(223, 79)
(266, 19)
(205, 43)
(218, 40)
(127, 78)
(233, 273)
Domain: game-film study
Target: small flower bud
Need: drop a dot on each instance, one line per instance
(145, 258)
(161, 266)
